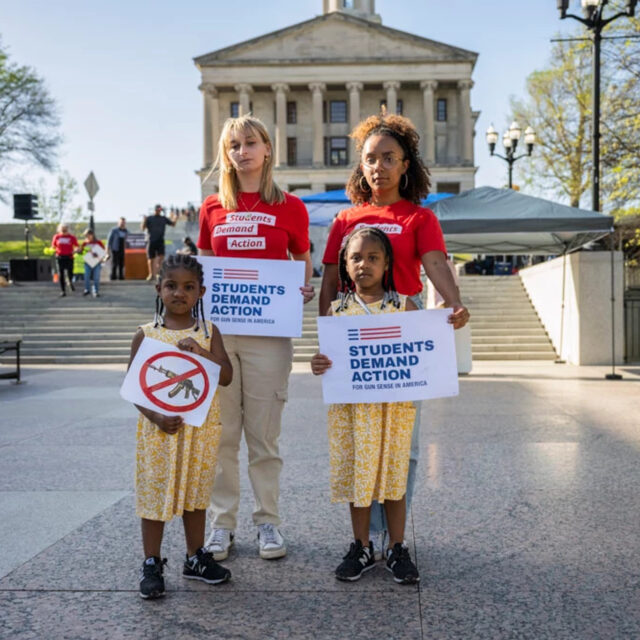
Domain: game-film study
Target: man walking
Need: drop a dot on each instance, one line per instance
(115, 249)
(155, 226)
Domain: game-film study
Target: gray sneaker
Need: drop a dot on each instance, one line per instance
(271, 542)
(219, 543)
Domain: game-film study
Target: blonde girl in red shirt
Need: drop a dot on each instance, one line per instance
(387, 187)
(251, 217)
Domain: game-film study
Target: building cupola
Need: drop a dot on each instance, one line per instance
(365, 9)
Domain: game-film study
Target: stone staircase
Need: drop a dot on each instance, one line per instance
(504, 323)
(77, 329)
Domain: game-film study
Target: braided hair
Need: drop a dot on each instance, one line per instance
(181, 261)
(347, 287)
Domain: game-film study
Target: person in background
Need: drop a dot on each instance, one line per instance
(116, 243)
(90, 244)
(155, 227)
(189, 248)
(64, 244)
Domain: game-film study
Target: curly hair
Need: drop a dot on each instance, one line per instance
(403, 131)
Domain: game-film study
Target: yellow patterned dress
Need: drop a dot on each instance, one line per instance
(175, 473)
(369, 444)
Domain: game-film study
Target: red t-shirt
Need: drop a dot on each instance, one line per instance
(256, 229)
(413, 231)
(64, 244)
(86, 243)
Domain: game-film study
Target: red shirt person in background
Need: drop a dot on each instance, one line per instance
(94, 247)
(64, 244)
(387, 187)
(252, 218)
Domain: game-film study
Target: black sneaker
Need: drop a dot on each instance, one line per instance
(203, 567)
(151, 580)
(400, 564)
(86, 293)
(358, 560)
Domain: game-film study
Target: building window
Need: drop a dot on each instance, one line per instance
(292, 112)
(448, 187)
(292, 152)
(347, 4)
(441, 110)
(336, 151)
(399, 106)
(338, 111)
(234, 110)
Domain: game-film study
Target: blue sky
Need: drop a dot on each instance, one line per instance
(123, 77)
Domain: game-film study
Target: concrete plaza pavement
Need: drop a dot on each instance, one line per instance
(525, 522)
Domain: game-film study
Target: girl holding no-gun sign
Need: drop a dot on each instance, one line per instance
(386, 188)
(251, 217)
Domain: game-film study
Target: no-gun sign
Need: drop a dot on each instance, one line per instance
(170, 381)
(388, 357)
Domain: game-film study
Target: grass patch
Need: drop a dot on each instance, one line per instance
(16, 249)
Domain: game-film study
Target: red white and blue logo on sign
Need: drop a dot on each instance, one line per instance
(376, 333)
(234, 274)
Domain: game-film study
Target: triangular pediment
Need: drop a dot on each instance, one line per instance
(335, 37)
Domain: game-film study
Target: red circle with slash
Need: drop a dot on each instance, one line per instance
(149, 390)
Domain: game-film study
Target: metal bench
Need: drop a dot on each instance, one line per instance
(11, 343)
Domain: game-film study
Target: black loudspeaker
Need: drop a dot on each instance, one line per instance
(25, 206)
(30, 269)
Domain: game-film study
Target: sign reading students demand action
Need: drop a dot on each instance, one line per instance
(254, 297)
(388, 357)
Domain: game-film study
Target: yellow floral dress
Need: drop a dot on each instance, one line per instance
(369, 444)
(175, 473)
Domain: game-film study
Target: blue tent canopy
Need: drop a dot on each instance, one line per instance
(324, 206)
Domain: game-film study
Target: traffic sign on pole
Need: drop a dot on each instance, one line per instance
(91, 185)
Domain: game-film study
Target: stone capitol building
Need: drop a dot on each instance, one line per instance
(310, 83)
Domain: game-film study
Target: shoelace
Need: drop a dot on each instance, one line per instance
(218, 537)
(268, 534)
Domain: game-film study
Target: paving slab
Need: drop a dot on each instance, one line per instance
(525, 522)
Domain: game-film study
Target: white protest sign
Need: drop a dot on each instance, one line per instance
(170, 381)
(388, 357)
(254, 297)
(91, 259)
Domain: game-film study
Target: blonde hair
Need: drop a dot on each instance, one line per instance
(270, 192)
(61, 227)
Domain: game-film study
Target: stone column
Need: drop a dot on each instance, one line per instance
(465, 121)
(317, 89)
(354, 89)
(429, 137)
(281, 90)
(243, 96)
(391, 87)
(207, 150)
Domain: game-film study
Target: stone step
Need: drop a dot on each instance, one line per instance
(515, 355)
(511, 339)
(525, 346)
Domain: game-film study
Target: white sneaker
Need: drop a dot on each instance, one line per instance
(219, 542)
(379, 541)
(271, 542)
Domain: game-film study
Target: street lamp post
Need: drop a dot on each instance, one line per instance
(595, 21)
(593, 18)
(510, 142)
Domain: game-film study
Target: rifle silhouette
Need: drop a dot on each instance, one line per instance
(184, 385)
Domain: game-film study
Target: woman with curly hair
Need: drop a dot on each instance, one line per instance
(386, 188)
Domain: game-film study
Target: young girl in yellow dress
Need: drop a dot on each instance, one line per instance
(175, 462)
(369, 444)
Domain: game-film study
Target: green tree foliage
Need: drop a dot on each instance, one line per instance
(58, 206)
(559, 107)
(28, 119)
